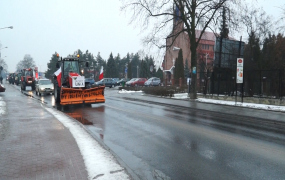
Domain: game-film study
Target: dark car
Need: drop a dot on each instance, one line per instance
(2, 88)
(122, 81)
(138, 82)
(90, 81)
(108, 82)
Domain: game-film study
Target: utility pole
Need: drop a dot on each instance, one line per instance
(137, 71)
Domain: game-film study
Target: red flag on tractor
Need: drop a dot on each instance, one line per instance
(101, 76)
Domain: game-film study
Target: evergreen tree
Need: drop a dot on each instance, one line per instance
(179, 67)
(123, 65)
(143, 69)
(111, 67)
(130, 73)
(100, 62)
(252, 53)
(135, 64)
(279, 61)
(150, 62)
(117, 65)
(159, 74)
(224, 26)
(88, 71)
(51, 66)
(186, 69)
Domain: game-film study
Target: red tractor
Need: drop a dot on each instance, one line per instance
(70, 87)
(27, 79)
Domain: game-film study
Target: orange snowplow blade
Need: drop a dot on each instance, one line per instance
(80, 96)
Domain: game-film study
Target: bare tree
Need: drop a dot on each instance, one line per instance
(256, 22)
(3, 64)
(281, 21)
(27, 62)
(189, 15)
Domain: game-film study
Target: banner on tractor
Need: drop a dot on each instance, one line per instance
(77, 81)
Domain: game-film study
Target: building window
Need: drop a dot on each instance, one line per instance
(206, 46)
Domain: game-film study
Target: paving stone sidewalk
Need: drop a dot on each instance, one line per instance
(34, 144)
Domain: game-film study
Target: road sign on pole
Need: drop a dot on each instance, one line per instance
(239, 78)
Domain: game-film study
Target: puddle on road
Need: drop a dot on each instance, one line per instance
(85, 114)
(79, 117)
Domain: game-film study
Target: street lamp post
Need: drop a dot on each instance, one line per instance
(1, 49)
(9, 27)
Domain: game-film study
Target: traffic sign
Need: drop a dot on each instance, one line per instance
(239, 78)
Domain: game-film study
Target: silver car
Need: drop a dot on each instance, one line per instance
(154, 81)
(44, 86)
(128, 83)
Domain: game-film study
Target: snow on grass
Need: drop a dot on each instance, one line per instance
(123, 91)
(230, 103)
(180, 96)
(251, 105)
(99, 162)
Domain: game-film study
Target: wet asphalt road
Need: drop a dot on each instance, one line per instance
(156, 137)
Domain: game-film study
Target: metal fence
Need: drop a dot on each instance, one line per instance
(257, 83)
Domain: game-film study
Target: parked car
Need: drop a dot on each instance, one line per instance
(128, 83)
(154, 81)
(44, 86)
(108, 82)
(116, 79)
(90, 81)
(121, 81)
(2, 88)
(138, 82)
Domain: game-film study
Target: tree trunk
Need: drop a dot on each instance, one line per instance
(193, 90)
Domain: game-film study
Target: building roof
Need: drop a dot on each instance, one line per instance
(209, 36)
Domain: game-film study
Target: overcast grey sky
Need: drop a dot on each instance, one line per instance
(42, 27)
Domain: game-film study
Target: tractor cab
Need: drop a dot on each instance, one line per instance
(70, 66)
(71, 73)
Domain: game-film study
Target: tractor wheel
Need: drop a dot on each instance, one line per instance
(33, 86)
(24, 86)
(56, 93)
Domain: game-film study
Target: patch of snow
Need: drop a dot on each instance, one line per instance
(2, 106)
(251, 105)
(232, 103)
(181, 96)
(99, 162)
(123, 91)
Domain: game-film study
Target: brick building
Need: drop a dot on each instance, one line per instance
(205, 53)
